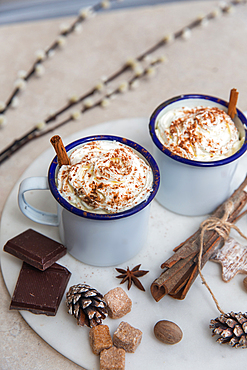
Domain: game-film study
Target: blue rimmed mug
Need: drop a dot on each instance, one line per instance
(95, 239)
(189, 187)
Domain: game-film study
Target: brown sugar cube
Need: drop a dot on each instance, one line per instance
(118, 303)
(127, 337)
(112, 359)
(100, 338)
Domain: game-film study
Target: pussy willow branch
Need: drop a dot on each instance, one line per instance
(34, 133)
(119, 90)
(55, 45)
(182, 33)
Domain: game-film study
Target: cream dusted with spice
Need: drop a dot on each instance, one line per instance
(105, 177)
(199, 133)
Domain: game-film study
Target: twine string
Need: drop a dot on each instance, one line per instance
(223, 228)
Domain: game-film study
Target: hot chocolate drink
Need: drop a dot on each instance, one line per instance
(199, 133)
(105, 177)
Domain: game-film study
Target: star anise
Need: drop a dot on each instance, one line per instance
(132, 276)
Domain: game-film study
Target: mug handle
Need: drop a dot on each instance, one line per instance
(35, 183)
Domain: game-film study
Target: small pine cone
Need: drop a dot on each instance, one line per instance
(232, 329)
(86, 304)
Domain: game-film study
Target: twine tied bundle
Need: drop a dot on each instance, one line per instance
(223, 228)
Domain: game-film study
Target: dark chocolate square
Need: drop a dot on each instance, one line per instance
(36, 249)
(40, 291)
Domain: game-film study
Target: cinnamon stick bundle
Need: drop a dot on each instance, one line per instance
(181, 269)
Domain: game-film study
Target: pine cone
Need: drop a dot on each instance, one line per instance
(86, 304)
(232, 328)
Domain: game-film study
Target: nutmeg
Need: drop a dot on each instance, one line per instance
(245, 283)
(168, 332)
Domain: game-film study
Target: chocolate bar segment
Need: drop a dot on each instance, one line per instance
(38, 291)
(36, 249)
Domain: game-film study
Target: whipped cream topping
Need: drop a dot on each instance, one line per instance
(105, 177)
(199, 133)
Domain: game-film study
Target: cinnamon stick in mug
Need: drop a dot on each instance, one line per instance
(62, 156)
(233, 103)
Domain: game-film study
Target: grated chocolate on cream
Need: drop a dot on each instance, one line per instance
(199, 133)
(105, 177)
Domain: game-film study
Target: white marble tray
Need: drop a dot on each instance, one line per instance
(166, 230)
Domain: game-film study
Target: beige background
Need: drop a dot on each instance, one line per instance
(212, 61)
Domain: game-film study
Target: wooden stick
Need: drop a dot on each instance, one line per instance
(62, 156)
(233, 103)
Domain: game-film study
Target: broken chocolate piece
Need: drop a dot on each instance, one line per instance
(40, 292)
(36, 249)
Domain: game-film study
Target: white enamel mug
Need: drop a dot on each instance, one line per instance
(188, 187)
(95, 239)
